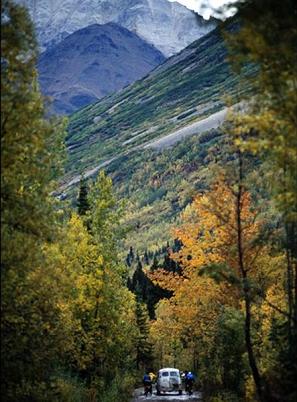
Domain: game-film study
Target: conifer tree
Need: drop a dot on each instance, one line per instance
(130, 257)
(131, 253)
(144, 348)
(155, 264)
(82, 201)
(139, 283)
(146, 258)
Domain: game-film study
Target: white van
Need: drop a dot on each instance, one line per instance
(169, 381)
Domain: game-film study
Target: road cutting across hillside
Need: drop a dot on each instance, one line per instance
(211, 122)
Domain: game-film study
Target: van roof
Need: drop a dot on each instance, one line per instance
(169, 369)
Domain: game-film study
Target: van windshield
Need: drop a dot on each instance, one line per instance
(165, 374)
(173, 374)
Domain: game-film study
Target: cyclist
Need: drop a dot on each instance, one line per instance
(189, 382)
(147, 383)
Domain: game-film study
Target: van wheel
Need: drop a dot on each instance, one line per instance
(180, 392)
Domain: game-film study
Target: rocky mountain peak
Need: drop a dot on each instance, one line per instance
(168, 26)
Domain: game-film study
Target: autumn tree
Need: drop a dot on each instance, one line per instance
(31, 325)
(267, 37)
(221, 237)
(109, 299)
(99, 312)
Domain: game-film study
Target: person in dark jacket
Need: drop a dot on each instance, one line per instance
(189, 382)
(147, 383)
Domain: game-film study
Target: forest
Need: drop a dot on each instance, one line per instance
(86, 309)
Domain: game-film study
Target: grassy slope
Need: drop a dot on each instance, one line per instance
(188, 87)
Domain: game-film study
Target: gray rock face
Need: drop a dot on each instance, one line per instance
(93, 62)
(170, 27)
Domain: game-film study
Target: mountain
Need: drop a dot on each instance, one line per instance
(93, 62)
(154, 137)
(168, 26)
(184, 90)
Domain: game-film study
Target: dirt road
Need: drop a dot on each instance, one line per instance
(212, 121)
(139, 397)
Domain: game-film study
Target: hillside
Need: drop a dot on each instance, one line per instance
(134, 134)
(93, 62)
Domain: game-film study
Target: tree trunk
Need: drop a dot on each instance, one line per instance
(248, 342)
(246, 288)
(290, 295)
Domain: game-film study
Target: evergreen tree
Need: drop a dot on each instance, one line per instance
(155, 264)
(139, 283)
(146, 291)
(146, 258)
(137, 257)
(130, 257)
(170, 265)
(131, 253)
(177, 245)
(128, 262)
(144, 348)
(82, 201)
(129, 284)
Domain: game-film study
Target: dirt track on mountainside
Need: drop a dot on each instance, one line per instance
(210, 122)
(213, 121)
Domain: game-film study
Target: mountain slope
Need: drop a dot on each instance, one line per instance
(154, 137)
(186, 88)
(168, 26)
(93, 62)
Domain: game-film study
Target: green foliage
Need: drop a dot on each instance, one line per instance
(120, 389)
(82, 201)
(143, 346)
(32, 330)
(230, 350)
(144, 289)
(67, 388)
(268, 37)
(104, 216)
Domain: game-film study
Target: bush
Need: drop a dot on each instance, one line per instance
(224, 396)
(120, 389)
(70, 389)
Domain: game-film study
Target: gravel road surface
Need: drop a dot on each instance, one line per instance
(172, 397)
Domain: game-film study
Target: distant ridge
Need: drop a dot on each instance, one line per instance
(93, 62)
